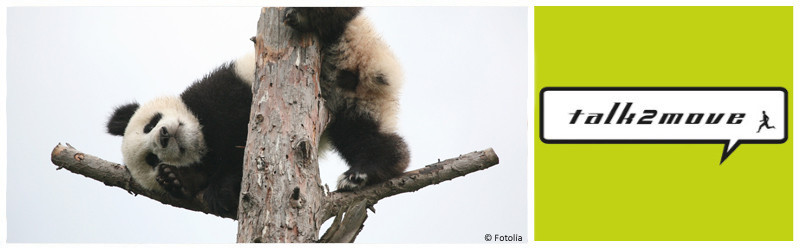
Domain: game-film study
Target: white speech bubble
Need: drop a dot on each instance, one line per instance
(703, 115)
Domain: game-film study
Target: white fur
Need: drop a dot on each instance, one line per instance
(181, 123)
(344, 183)
(365, 52)
(323, 146)
(245, 68)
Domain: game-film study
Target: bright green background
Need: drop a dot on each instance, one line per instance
(663, 192)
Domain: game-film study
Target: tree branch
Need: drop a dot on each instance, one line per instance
(352, 204)
(115, 175)
(334, 204)
(412, 181)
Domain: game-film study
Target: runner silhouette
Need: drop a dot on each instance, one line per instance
(764, 121)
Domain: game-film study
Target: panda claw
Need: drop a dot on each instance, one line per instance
(293, 19)
(289, 17)
(168, 179)
(351, 180)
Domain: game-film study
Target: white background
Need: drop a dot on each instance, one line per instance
(67, 68)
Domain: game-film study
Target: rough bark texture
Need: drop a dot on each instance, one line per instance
(287, 119)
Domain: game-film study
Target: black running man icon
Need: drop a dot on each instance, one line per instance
(764, 121)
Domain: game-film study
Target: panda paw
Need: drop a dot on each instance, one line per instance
(293, 18)
(169, 178)
(351, 180)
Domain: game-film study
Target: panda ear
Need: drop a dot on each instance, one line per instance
(119, 120)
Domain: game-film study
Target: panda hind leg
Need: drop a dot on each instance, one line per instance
(373, 156)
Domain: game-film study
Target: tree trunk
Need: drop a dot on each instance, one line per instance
(280, 184)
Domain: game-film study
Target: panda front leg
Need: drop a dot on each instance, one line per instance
(219, 192)
(327, 22)
(373, 156)
(222, 194)
(180, 182)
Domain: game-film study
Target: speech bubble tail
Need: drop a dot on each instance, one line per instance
(728, 149)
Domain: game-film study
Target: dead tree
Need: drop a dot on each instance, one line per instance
(282, 199)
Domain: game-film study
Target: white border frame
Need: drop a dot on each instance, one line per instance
(530, 102)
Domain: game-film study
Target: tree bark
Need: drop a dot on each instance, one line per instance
(280, 185)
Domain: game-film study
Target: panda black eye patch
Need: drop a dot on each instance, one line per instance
(152, 160)
(153, 121)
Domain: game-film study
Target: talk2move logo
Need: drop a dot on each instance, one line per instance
(728, 116)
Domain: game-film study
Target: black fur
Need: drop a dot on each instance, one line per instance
(152, 124)
(354, 134)
(221, 102)
(347, 80)
(119, 120)
(327, 23)
(366, 149)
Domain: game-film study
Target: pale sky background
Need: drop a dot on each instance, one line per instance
(67, 68)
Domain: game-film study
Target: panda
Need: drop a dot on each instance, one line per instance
(191, 146)
(360, 79)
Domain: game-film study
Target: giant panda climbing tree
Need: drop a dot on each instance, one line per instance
(282, 198)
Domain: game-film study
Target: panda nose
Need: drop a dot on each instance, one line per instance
(164, 137)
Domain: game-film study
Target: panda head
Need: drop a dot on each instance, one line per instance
(163, 130)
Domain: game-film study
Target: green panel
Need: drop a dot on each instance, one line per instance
(652, 191)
